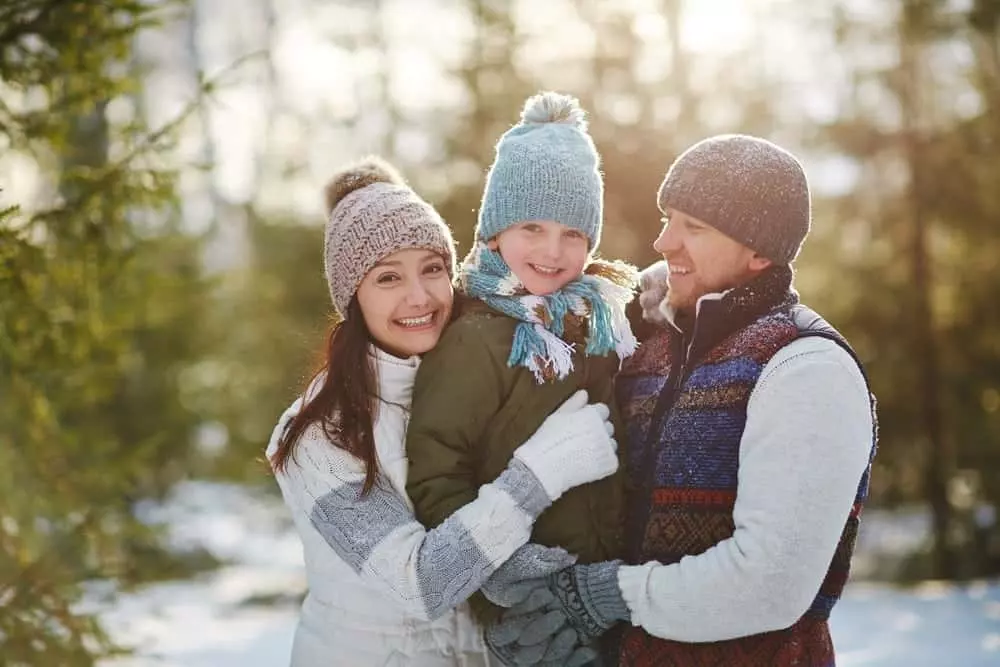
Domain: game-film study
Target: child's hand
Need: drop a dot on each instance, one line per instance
(652, 292)
(537, 632)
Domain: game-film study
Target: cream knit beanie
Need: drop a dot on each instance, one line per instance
(372, 213)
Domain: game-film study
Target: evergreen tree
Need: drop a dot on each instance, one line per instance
(102, 296)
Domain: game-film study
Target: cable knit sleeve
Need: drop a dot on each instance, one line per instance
(377, 535)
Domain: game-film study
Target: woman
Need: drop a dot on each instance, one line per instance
(382, 590)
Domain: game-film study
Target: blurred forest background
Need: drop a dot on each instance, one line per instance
(161, 290)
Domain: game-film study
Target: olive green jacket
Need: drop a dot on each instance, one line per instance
(471, 411)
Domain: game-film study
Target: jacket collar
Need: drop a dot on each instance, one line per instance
(720, 314)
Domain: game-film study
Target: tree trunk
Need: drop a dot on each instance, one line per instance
(940, 457)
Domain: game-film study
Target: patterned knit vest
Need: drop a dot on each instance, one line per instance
(684, 399)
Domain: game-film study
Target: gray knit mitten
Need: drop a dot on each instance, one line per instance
(560, 618)
(590, 597)
(535, 633)
(523, 572)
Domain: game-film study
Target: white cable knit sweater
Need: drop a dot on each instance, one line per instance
(382, 590)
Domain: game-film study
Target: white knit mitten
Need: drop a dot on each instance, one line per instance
(652, 291)
(573, 446)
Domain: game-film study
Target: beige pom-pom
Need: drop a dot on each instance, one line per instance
(369, 170)
(550, 107)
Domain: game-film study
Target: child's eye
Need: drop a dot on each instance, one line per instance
(531, 227)
(574, 234)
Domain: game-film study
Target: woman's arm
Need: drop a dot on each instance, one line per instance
(428, 572)
(431, 571)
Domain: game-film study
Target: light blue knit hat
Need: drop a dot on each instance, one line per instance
(546, 168)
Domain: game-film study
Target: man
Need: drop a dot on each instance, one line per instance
(750, 435)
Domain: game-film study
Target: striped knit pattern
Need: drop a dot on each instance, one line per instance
(684, 495)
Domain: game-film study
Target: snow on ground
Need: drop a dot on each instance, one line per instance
(243, 615)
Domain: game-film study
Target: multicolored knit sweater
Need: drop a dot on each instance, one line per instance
(684, 397)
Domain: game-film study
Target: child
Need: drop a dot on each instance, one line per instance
(545, 320)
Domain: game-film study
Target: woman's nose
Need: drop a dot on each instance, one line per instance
(418, 294)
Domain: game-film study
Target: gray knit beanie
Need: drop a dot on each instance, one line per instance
(748, 188)
(372, 214)
(546, 168)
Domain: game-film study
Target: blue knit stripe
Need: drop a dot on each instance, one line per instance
(525, 346)
(822, 605)
(708, 458)
(736, 370)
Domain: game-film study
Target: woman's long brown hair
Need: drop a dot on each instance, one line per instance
(345, 404)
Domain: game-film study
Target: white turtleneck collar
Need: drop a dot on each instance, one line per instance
(395, 376)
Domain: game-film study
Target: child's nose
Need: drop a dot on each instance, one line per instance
(553, 246)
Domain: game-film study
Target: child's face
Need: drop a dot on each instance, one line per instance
(545, 255)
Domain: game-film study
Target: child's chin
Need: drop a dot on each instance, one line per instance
(545, 287)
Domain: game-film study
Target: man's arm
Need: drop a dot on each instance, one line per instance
(806, 444)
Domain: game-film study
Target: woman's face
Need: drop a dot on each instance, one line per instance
(406, 301)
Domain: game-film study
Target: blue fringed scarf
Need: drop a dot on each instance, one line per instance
(598, 298)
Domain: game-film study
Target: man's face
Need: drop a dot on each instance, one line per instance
(702, 260)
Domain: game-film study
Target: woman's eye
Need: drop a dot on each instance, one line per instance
(386, 278)
(434, 268)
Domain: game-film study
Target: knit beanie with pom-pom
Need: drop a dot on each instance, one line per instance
(546, 168)
(372, 213)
